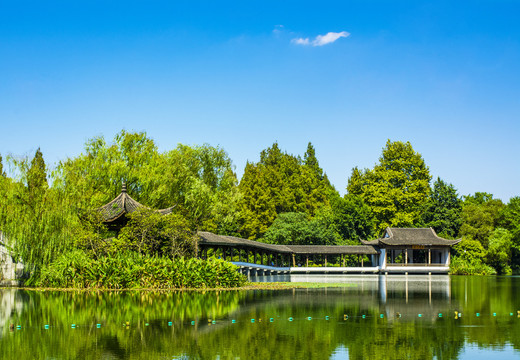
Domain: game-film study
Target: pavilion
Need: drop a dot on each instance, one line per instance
(114, 213)
(405, 250)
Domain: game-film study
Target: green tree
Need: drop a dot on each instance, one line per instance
(499, 251)
(2, 173)
(396, 189)
(510, 220)
(352, 219)
(280, 183)
(38, 221)
(148, 232)
(199, 181)
(443, 210)
(480, 217)
(37, 174)
(297, 229)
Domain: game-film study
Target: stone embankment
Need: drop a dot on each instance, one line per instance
(10, 272)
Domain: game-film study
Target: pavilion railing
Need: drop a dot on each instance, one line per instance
(415, 264)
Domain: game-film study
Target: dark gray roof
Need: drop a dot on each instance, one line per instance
(207, 238)
(124, 204)
(410, 236)
(333, 249)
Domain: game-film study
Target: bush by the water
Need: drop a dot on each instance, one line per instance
(460, 266)
(131, 270)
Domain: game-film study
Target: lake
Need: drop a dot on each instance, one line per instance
(354, 317)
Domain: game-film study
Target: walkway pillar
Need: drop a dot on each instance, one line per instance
(293, 260)
(325, 260)
(307, 260)
(362, 261)
(406, 256)
(429, 256)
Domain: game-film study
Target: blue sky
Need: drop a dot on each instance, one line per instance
(443, 75)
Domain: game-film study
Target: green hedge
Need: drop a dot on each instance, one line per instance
(131, 270)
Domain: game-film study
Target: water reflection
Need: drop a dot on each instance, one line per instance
(413, 317)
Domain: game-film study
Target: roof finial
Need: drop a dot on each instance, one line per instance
(123, 189)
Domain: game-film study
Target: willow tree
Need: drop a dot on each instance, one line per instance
(198, 180)
(396, 188)
(2, 173)
(38, 221)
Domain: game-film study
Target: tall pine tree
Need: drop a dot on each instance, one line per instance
(443, 209)
(280, 183)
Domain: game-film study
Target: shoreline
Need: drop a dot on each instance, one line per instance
(247, 287)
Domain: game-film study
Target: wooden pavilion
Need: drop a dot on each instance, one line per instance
(114, 213)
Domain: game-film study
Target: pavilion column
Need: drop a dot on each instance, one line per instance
(343, 259)
(429, 256)
(449, 257)
(293, 260)
(406, 256)
(325, 260)
(307, 260)
(362, 265)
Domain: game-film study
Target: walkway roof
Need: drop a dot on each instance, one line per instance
(210, 239)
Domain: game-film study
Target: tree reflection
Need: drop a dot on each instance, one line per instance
(136, 325)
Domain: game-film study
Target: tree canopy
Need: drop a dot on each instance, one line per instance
(396, 189)
(443, 209)
(280, 183)
(297, 229)
(282, 198)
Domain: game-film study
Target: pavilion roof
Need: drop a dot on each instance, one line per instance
(410, 236)
(124, 204)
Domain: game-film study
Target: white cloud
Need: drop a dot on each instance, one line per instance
(321, 40)
(301, 41)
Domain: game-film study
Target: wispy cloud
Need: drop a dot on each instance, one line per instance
(278, 29)
(321, 40)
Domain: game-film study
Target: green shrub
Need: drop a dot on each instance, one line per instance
(130, 271)
(461, 266)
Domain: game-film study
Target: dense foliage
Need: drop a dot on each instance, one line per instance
(396, 188)
(132, 270)
(280, 183)
(282, 199)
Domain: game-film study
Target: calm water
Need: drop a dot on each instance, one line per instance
(396, 317)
